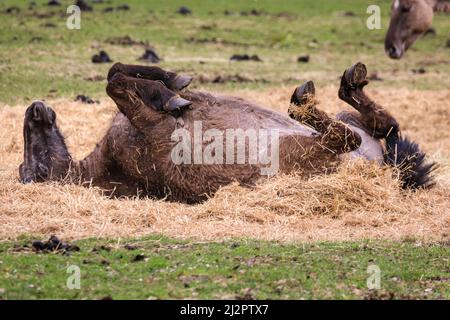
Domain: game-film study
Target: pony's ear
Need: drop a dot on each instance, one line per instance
(442, 6)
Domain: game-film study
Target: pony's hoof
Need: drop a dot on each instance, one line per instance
(180, 82)
(39, 113)
(175, 103)
(303, 93)
(356, 76)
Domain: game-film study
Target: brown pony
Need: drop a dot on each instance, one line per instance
(143, 154)
(409, 20)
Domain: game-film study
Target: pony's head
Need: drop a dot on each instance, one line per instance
(409, 20)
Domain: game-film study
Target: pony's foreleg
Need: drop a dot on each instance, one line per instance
(336, 137)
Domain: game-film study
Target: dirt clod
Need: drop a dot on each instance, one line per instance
(53, 244)
(303, 59)
(11, 10)
(101, 57)
(84, 99)
(54, 3)
(123, 7)
(184, 11)
(420, 70)
(150, 56)
(139, 257)
(126, 41)
(245, 57)
(83, 5)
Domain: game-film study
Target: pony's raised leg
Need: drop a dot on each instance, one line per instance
(45, 152)
(144, 102)
(171, 80)
(372, 117)
(46, 156)
(401, 153)
(335, 137)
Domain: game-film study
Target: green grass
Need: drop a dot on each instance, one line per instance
(58, 63)
(175, 269)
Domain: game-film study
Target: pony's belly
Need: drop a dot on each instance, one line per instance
(370, 149)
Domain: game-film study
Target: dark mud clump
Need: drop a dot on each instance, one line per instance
(184, 11)
(85, 99)
(101, 248)
(52, 245)
(254, 12)
(123, 7)
(150, 56)
(303, 59)
(245, 57)
(131, 247)
(49, 25)
(54, 3)
(349, 14)
(102, 57)
(36, 39)
(139, 257)
(12, 10)
(126, 41)
(83, 5)
(419, 70)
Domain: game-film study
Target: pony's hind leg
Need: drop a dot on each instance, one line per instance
(335, 137)
(373, 118)
(171, 80)
(45, 152)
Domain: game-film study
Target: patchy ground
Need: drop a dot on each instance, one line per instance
(160, 268)
(360, 201)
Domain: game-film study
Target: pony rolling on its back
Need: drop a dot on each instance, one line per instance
(143, 153)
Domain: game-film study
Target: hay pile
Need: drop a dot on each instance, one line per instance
(359, 201)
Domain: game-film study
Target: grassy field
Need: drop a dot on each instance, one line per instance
(160, 268)
(315, 242)
(46, 62)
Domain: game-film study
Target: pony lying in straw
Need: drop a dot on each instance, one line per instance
(168, 142)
